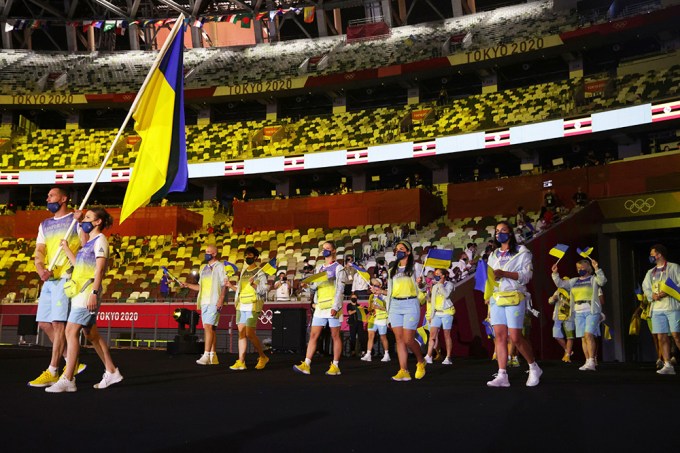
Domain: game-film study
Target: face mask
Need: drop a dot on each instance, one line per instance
(86, 226)
(401, 255)
(502, 237)
(652, 259)
(250, 261)
(582, 272)
(354, 301)
(437, 278)
(208, 257)
(326, 253)
(53, 207)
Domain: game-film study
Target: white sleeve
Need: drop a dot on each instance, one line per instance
(41, 235)
(101, 247)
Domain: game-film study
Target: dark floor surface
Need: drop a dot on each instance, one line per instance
(170, 404)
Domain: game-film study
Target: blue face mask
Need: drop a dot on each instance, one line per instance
(87, 227)
(326, 253)
(502, 237)
(582, 272)
(401, 255)
(652, 259)
(208, 257)
(53, 207)
(437, 278)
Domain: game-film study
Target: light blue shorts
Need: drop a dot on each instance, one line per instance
(321, 322)
(511, 316)
(563, 329)
(442, 322)
(210, 315)
(83, 317)
(382, 329)
(246, 317)
(405, 313)
(587, 322)
(53, 305)
(665, 321)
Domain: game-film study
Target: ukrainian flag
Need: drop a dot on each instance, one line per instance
(485, 280)
(671, 288)
(363, 273)
(361, 313)
(439, 258)
(559, 250)
(230, 268)
(316, 278)
(585, 252)
(161, 165)
(270, 267)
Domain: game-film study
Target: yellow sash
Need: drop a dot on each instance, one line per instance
(325, 295)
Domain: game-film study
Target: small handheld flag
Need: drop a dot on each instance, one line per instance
(316, 278)
(488, 328)
(167, 272)
(363, 273)
(639, 294)
(559, 250)
(671, 288)
(270, 267)
(584, 252)
(361, 313)
(439, 258)
(421, 333)
(230, 268)
(485, 279)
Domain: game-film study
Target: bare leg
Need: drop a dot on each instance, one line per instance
(255, 340)
(562, 343)
(73, 345)
(401, 347)
(409, 337)
(522, 344)
(337, 343)
(101, 348)
(58, 342)
(430, 344)
(371, 339)
(501, 341)
(313, 338)
(665, 346)
(242, 342)
(386, 345)
(449, 342)
(592, 345)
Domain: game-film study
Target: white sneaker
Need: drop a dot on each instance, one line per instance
(667, 369)
(108, 379)
(447, 361)
(428, 360)
(588, 366)
(501, 380)
(62, 385)
(204, 360)
(386, 358)
(366, 357)
(534, 377)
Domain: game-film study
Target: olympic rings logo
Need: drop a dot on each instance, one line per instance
(266, 317)
(639, 206)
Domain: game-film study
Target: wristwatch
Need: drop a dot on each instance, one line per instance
(95, 291)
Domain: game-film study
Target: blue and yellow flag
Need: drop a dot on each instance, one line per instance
(584, 252)
(439, 258)
(671, 288)
(270, 267)
(161, 165)
(361, 313)
(639, 294)
(485, 280)
(230, 268)
(316, 278)
(559, 250)
(363, 273)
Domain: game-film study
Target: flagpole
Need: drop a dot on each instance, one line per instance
(175, 29)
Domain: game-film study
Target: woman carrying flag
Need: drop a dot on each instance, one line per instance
(404, 283)
(249, 299)
(563, 321)
(328, 297)
(89, 267)
(661, 288)
(584, 301)
(440, 313)
(512, 270)
(377, 322)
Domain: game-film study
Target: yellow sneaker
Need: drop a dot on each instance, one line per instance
(303, 368)
(79, 369)
(261, 363)
(238, 366)
(420, 370)
(402, 375)
(333, 370)
(566, 358)
(214, 360)
(44, 380)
